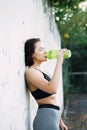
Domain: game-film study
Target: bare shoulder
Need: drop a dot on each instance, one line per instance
(32, 74)
(28, 70)
(35, 79)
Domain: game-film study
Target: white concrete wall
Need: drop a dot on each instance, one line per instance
(19, 20)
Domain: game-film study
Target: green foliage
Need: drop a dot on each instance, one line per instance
(68, 89)
(79, 64)
(76, 27)
(64, 10)
(69, 3)
(72, 25)
(79, 52)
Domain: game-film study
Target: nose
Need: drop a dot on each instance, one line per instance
(44, 50)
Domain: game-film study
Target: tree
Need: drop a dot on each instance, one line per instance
(72, 25)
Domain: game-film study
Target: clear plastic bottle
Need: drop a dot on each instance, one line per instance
(52, 54)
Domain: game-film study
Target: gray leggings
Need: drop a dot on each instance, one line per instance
(47, 118)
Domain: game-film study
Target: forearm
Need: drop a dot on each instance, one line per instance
(56, 78)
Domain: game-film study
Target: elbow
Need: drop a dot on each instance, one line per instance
(54, 91)
(53, 88)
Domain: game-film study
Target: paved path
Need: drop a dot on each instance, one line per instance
(76, 118)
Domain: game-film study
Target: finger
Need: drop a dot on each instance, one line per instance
(62, 50)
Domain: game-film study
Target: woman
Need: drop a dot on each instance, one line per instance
(42, 87)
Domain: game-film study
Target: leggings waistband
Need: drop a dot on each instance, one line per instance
(49, 106)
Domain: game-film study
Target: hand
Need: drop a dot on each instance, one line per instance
(62, 51)
(60, 54)
(62, 125)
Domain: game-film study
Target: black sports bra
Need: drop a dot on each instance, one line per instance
(39, 94)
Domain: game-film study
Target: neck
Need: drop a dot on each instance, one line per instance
(36, 66)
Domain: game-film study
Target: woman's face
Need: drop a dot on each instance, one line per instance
(39, 52)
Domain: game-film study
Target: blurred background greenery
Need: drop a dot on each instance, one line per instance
(71, 19)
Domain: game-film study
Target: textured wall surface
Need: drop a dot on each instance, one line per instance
(19, 20)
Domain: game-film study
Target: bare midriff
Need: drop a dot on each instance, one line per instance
(49, 100)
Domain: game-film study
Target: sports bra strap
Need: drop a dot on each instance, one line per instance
(38, 70)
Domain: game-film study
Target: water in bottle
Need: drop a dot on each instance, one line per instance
(52, 54)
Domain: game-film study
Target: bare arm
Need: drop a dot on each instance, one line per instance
(36, 78)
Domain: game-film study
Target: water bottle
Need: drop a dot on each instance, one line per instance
(52, 54)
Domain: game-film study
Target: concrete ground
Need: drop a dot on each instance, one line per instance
(76, 117)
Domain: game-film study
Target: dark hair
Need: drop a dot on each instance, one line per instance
(29, 50)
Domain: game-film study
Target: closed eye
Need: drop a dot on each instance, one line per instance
(42, 49)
